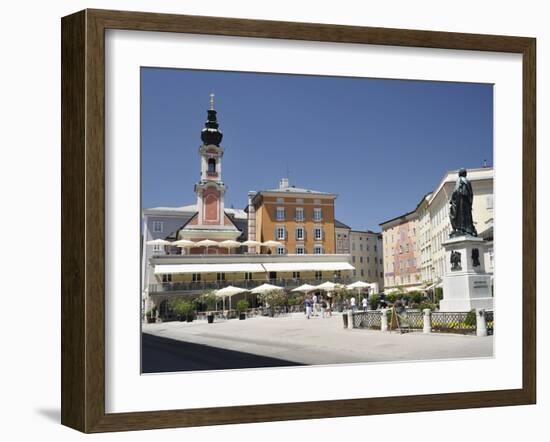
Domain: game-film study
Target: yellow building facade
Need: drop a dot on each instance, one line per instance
(301, 220)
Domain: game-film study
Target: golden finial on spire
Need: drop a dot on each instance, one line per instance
(211, 101)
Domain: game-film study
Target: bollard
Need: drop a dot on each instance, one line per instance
(345, 319)
(384, 320)
(481, 323)
(427, 321)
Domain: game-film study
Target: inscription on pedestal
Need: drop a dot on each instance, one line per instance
(480, 284)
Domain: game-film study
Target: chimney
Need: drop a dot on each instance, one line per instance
(283, 184)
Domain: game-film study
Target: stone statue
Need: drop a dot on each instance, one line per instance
(475, 258)
(456, 261)
(460, 211)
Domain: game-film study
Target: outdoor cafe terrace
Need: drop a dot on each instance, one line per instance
(246, 271)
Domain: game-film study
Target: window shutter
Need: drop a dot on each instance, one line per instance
(275, 233)
(296, 234)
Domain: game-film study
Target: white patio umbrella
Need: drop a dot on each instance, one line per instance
(251, 243)
(264, 288)
(230, 244)
(358, 285)
(305, 288)
(271, 244)
(328, 286)
(158, 242)
(184, 243)
(207, 243)
(229, 291)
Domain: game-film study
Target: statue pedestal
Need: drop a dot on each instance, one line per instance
(466, 285)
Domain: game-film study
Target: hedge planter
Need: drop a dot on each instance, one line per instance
(210, 319)
(242, 316)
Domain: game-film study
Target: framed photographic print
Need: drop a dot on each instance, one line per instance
(268, 221)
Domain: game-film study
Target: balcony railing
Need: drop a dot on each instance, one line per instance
(286, 283)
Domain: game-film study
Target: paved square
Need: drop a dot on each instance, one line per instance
(318, 340)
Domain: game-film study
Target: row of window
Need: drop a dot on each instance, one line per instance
(301, 250)
(368, 259)
(299, 233)
(197, 277)
(362, 273)
(361, 247)
(280, 214)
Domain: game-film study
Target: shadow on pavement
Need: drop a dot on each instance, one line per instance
(165, 355)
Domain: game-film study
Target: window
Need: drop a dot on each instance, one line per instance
(361, 259)
(299, 214)
(280, 214)
(157, 249)
(280, 200)
(353, 258)
(296, 275)
(368, 259)
(196, 277)
(318, 233)
(300, 250)
(375, 260)
(318, 250)
(280, 250)
(317, 214)
(362, 272)
(318, 275)
(353, 246)
(281, 232)
(368, 272)
(300, 233)
(220, 276)
(158, 226)
(211, 165)
(248, 276)
(361, 247)
(166, 277)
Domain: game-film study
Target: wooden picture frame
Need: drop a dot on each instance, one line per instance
(83, 220)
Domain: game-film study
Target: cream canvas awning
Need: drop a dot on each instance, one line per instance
(306, 266)
(207, 268)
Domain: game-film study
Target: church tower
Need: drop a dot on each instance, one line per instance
(210, 189)
(210, 221)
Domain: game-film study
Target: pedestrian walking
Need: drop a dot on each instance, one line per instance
(315, 305)
(352, 304)
(365, 304)
(307, 303)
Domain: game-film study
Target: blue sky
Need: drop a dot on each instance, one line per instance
(380, 145)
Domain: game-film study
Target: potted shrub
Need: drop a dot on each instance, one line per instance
(373, 301)
(242, 307)
(184, 309)
(208, 299)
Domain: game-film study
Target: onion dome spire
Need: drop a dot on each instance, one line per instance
(211, 133)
